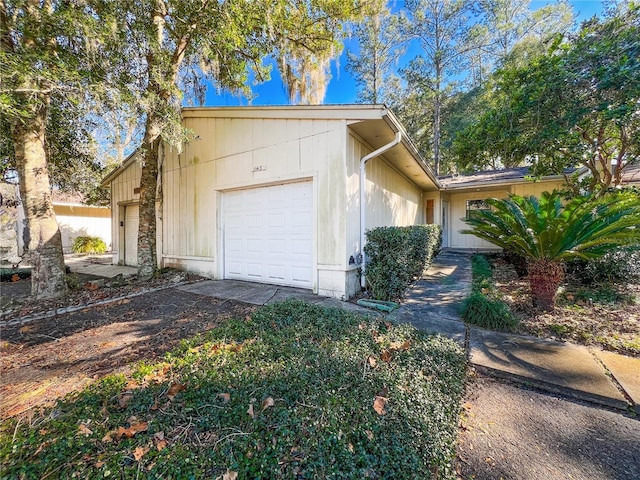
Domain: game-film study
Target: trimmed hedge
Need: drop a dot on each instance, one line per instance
(398, 255)
(89, 245)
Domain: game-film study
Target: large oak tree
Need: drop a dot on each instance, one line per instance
(50, 59)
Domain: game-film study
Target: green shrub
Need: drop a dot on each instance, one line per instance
(488, 313)
(89, 245)
(398, 255)
(483, 307)
(481, 271)
(13, 274)
(618, 266)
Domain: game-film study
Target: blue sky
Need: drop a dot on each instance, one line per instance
(342, 88)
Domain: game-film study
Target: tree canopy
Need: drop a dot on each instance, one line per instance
(574, 105)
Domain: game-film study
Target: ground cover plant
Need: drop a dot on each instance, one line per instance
(291, 391)
(484, 307)
(602, 314)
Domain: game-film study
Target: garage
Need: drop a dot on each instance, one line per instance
(131, 219)
(268, 234)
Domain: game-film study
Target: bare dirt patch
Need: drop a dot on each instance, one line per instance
(607, 316)
(46, 359)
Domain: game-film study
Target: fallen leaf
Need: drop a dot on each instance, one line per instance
(379, 405)
(225, 397)
(84, 430)
(268, 402)
(159, 441)
(140, 452)
(124, 399)
(99, 464)
(372, 361)
(400, 346)
(15, 277)
(250, 410)
(175, 389)
(229, 475)
(385, 356)
(137, 428)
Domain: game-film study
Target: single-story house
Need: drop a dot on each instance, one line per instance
(75, 218)
(283, 195)
(273, 194)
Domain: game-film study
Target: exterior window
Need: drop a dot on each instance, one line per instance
(430, 209)
(476, 205)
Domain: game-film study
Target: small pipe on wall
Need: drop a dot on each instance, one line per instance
(363, 215)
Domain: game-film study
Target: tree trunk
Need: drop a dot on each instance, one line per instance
(44, 243)
(545, 277)
(147, 256)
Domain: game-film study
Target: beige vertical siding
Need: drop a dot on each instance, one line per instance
(458, 205)
(536, 188)
(233, 153)
(122, 188)
(391, 199)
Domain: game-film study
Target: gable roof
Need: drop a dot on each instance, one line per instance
(374, 123)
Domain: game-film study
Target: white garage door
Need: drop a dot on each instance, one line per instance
(131, 219)
(268, 234)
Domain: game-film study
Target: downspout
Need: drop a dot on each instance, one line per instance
(363, 175)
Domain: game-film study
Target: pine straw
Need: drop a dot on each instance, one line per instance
(607, 316)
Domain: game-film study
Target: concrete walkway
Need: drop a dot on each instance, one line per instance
(98, 265)
(590, 374)
(265, 294)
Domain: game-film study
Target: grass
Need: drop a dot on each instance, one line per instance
(294, 391)
(484, 307)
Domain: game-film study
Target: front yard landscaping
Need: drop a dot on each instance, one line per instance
(290, 391)
(603, 314)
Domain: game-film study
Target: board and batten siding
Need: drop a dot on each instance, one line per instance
(391, 198)
(122, 193)
(123, 188)
(238, 153)
(458, 210)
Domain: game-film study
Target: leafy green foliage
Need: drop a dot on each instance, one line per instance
(486, 312)
(547, 232)
(572, 105)
(545, 228)
(483, 307)
(293, 391)
(621, 265)
(89, 245)
(398, 255)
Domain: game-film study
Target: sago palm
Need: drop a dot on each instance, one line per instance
(548, 232)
